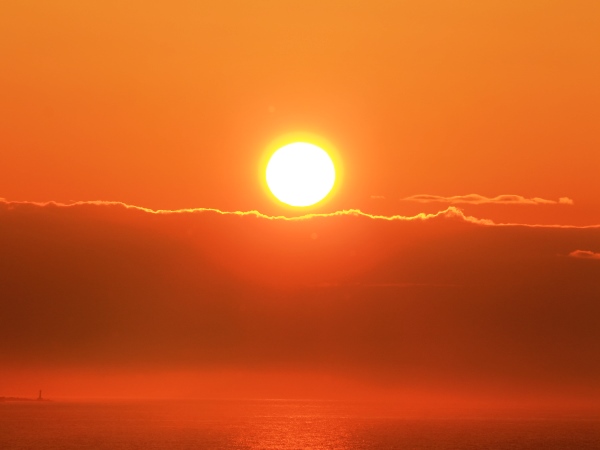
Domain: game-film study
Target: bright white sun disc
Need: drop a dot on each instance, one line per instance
(300, 174)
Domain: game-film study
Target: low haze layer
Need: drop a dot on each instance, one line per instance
(104, 299)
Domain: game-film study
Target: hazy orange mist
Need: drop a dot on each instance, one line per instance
(434, 304)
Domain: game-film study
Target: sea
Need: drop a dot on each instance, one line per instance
(278, 424)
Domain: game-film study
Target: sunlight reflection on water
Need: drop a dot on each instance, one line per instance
(271, 424)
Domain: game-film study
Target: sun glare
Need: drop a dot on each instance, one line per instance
(300, 174)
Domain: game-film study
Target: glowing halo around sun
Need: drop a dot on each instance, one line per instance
(300, 174)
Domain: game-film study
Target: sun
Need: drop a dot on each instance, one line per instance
(300, 174)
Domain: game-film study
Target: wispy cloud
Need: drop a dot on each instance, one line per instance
(584, 254)
(565, 201)
(476, 199)
(451, 212)
(407, 285)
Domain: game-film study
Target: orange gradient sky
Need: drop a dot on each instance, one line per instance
(171, 104)
(467, 134)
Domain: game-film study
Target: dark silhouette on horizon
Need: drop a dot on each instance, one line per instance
(24, 399)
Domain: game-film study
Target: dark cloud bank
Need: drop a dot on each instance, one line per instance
(441, 301)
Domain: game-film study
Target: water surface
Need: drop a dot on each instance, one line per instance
(275, 424)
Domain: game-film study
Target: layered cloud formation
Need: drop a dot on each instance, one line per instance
(476, 199)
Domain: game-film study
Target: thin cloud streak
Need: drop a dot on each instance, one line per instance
(448, 212)
(407, 285)
(476, 199)
(451, 212)
(584, 254)
(327, 284)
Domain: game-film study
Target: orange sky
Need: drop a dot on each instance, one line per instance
(171, 104)
(490, 108)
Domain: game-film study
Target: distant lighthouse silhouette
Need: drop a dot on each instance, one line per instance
(40, 396)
